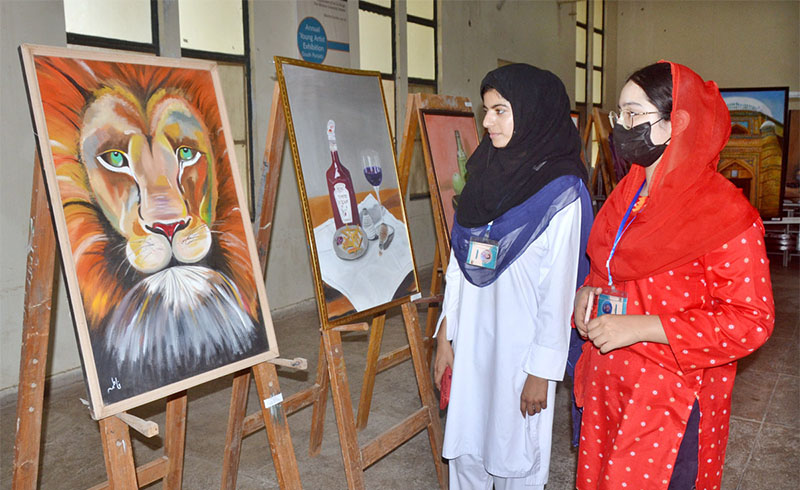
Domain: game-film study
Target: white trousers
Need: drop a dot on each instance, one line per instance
(468, 473)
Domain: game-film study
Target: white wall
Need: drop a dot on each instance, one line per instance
(476, 34)
(37, 22)
(736, 44)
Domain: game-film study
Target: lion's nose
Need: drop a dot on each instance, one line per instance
(168, 229)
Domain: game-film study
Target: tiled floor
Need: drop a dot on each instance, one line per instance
(763, 453)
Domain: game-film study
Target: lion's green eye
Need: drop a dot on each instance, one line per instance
(187, 156)
(114, 159)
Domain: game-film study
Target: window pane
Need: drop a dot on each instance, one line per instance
(597, 86)
(597, 50)
(212, 25)
(382, 3)
(127, 20)
(375, 39)
(580, 45)
(421, 49)
(580, 85)
(580, 10)
(420, 8)
(598, 14)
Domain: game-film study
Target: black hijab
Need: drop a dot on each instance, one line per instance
(544, 146)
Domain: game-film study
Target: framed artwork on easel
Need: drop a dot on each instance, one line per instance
(450, 137)
(755, 157)
(152, 222)
(354, 213)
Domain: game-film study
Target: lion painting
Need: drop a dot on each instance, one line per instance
(154, 223)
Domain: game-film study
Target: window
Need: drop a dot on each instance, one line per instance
(584, 45)
(218, 30)
(589, 63)
(377, 32)
(116, 24)
(421, 42)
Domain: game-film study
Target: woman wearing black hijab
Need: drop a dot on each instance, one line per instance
(517, 258)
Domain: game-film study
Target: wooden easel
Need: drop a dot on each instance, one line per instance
(331, 365)
(604, 162)
(415, 104)
(115, 434)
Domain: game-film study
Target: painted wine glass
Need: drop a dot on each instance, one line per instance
(371, 164)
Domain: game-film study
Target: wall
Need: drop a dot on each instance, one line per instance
(38, 22)
(736, 44)
(476, 34)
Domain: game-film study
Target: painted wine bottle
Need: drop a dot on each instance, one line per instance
(460, 177)
(340, 186)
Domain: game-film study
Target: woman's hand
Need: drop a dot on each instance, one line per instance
(534, 396)
(444, 356)
(609, 332)
(579, 311)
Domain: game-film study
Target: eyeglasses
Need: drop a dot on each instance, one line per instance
(625, 117)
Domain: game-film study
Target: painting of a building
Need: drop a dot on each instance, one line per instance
(753, 158)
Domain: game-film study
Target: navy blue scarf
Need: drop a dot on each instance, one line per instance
(521, 225)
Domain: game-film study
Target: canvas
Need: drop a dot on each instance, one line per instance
(354, 212)
(159, 259)
(451, 137)
(755, 157)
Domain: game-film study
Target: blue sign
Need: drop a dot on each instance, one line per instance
(311, 40)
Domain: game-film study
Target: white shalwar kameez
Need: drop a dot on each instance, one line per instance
(518, 325)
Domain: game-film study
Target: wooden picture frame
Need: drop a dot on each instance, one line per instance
(360, 245)
(756, 155)
(442, 132)
(156, 242)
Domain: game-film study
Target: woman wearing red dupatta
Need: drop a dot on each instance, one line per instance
(688, 256)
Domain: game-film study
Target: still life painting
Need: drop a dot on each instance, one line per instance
(450, 137)
(158, 254)
(347, 175)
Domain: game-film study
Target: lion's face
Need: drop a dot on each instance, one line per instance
(149, 169)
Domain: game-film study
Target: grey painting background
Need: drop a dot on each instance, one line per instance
(354, 102)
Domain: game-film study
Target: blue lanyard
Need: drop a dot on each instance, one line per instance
(488, 229)
(623, 227)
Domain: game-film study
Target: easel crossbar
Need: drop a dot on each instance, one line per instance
(394, 437)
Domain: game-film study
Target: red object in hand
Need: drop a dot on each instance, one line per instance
(445, 392)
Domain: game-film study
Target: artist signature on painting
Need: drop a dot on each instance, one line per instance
(115, 385)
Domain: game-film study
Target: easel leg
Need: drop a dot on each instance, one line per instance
(233, 438)
(175, 442)
(433, 311)
(35, 336)
(371, 369)
(118, 454)
(343, 407)
(320, 402)
(425, 390)
(280, 440)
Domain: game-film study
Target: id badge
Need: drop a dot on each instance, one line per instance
(611, 301)
(482, 253)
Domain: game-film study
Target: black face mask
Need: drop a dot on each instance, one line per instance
(635, 146)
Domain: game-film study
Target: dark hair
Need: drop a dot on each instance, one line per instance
(656, 81)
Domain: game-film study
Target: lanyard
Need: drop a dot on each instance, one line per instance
(623, 227)
(488, 229)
